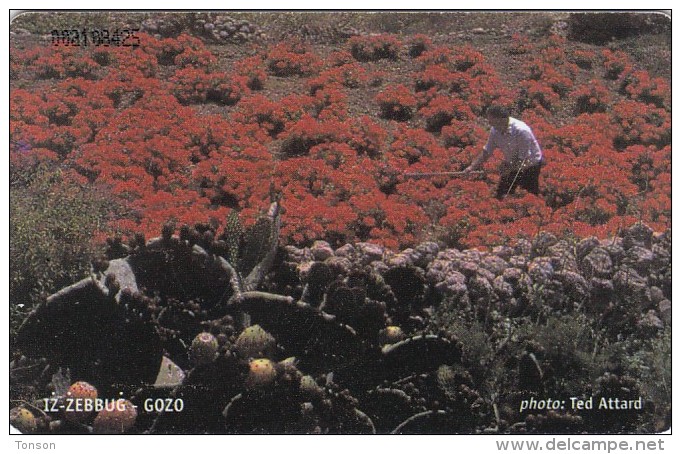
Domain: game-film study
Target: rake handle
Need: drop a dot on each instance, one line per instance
(440, 174)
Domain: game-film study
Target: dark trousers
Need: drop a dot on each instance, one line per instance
(527, 179)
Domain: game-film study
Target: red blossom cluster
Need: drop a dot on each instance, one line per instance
(136, 122)
(350, 75)
(639, 86)
(198, 86)
(397, 102)
(374, 47)
(550, 76)
(591, 98)
(615, 63)
(292, 58)
(418, 44)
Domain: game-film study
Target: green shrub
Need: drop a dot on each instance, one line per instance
(52, 221)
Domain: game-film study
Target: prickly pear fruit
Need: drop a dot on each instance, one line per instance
(204, 349)
(254, 342)
(80, 401)
(115, 418)
(261, 372)
(390, 335)
(23, 420)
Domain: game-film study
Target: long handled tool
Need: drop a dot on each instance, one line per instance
(441, 174)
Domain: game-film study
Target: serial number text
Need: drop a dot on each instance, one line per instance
(81, 37)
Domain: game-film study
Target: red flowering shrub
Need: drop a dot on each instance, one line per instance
(374, 47)
(585, 59)
(63, 62)
(465, 58)
(592, 98)
(572, 140)
(259, 110)
(351, 75)
(534, 93)
(106, 117)
(291, 58)
(253, 68)
(434, 76)
(194, 57)
(443, 109)
(439, 55)
(616, 63)
(308, 132)
(397, 102)
(367, 137)
(462, 134)
(418, 44)
(520, 45)
(641, 124)
(639, 86)
(197, 86)
(339, 58)
(185, 50)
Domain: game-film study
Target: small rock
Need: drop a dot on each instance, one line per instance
(454, 284)
(628, 282)
(542, 242)
(518, 261)
(321, 250)
(503, 252)
(169, 375)
(656, 295)
(576, 287)
(597, 263)
(369, 252)
(303, 270)
(601, 288)
(480, 287)
(585, 246)
(426, 253)
(469, 269)
(401, 259)
(339, 265)
(512, 275)
(345, 251)
(650, 323)
(494, 264)
(503, 289)
(540, 269)
(665, 310)
(640, 259)
(638, 235)
(297, 255)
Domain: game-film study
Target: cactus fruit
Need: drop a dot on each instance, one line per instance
(23, 420)
(80, 398)
(204, 349)
(309, 388)
(254, 342)
(390, 335)
(261, 373)
(116, 418)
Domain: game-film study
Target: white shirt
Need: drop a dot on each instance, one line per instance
(518, 144)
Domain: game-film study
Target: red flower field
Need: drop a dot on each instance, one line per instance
(175, 131)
